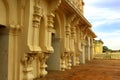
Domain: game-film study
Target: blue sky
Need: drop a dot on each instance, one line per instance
(104, 16)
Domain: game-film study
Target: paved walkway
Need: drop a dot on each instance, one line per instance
(94, 70)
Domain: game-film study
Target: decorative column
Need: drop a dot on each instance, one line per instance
(50, 27)
(49, 49)
(33, 42)
(92, 49)
(78, 46)
(68, 45)
(72, 45)
(88, 49)
(36, 27)
(13, 51)
(83, 51)
(65, 57)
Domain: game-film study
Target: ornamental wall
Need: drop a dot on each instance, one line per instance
(41, 35)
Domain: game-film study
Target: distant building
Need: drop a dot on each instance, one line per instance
(98, 46)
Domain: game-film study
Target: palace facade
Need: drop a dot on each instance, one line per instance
(41, 35)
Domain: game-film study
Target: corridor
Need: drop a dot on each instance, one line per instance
(94, 70)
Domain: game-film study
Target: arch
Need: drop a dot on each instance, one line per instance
(57, 25)
(60, 27)
(53, 61)
(4, 13)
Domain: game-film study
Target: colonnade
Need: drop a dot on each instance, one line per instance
(43, 36)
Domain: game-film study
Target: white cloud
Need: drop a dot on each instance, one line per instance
(112, 40)
(100, 16)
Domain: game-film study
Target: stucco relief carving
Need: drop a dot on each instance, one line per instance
(27, 65)
(78, 4)
(48, 44)
(42, 59)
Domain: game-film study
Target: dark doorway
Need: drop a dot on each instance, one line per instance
(53, 61)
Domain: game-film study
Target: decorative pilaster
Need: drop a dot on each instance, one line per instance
(50, 27)
(68, 65)
(13, 52)
(36, 27)
(92, 49)
(67, 38)
(49, 49)
(72, 44)
(33, 42)
(83, 51)
(88, 47)
(64, 56)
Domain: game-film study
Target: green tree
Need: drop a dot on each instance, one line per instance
(105, 48)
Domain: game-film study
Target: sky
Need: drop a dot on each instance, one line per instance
(104, 15)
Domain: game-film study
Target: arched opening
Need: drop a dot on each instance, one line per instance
(53, 61)
(4, 39)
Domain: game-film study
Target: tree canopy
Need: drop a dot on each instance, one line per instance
(105, 48)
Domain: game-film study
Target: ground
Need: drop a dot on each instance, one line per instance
(94, 70)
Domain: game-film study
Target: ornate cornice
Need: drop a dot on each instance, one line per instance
(91, 33)
(75, 10)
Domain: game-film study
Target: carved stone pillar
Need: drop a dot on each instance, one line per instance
(50, 26)
(13, 50)
(49, 49)
(87, 52)
(88, 47)
(83, 51)
(72, 44)
(68, 36)
(64, 56)
(33, 42)
(36, 27)
(92, 49)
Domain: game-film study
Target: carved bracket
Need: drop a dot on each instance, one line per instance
(27, 65)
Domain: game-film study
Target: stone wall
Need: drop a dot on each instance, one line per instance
(107, 56)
